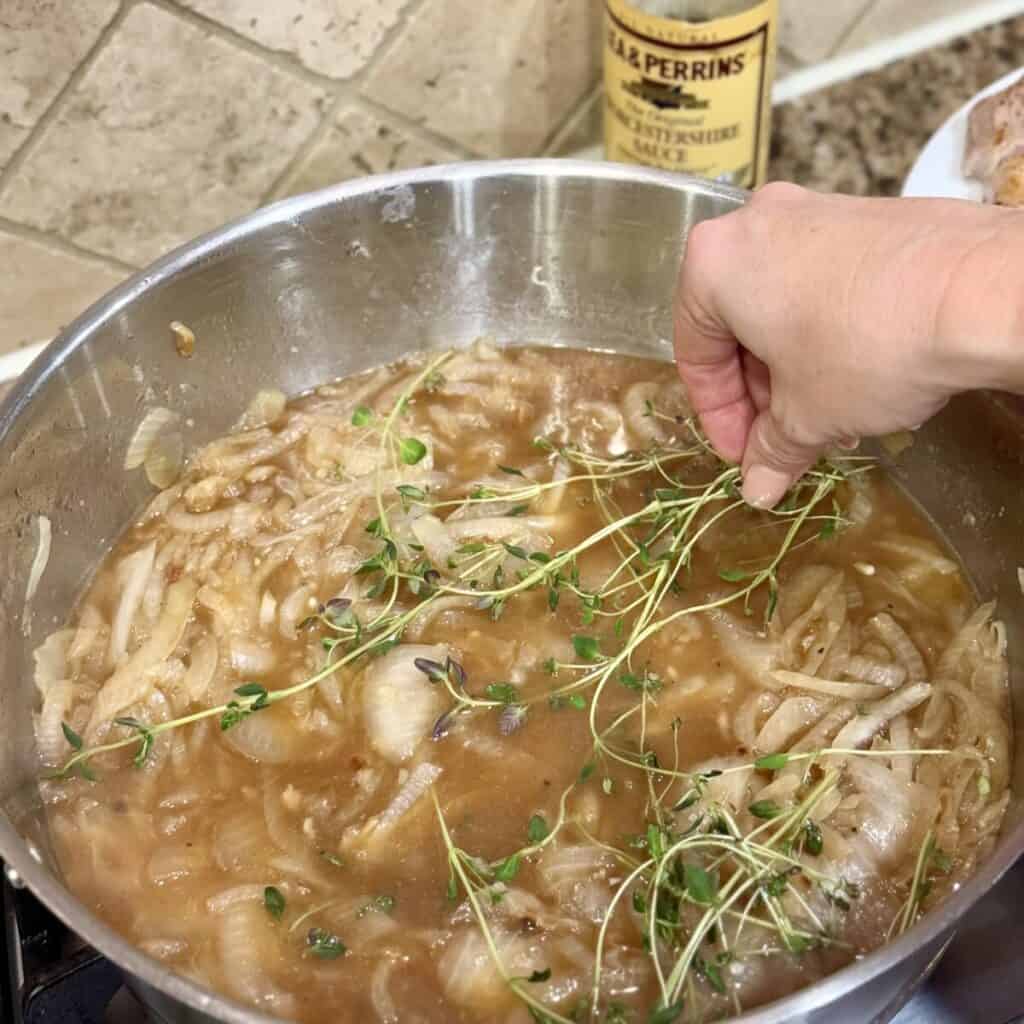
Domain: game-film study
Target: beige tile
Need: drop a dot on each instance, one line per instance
(497, 76)
(812, 29)
(586, 128)
(41, 43)
(893, 17)
(785, 65)
(357, 144)
(170, 133)
(42, 289)
(333, 37)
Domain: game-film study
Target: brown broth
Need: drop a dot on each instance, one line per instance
(177, 854)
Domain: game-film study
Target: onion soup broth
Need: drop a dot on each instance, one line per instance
(468, 689)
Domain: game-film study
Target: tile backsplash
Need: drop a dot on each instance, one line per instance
(129, 126)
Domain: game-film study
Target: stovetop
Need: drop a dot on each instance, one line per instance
(54, 978)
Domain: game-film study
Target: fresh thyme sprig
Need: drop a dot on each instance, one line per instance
(691, 880)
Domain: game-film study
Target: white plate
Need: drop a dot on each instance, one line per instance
(14, 364)
(937, 171)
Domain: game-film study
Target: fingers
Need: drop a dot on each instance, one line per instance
(759, 381)
(708, 356)
(773, 462)
(719, 396)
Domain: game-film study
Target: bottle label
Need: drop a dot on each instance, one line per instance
(690, 97)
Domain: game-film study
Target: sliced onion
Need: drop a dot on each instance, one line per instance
(134, 573)
(51, 658)
(266, 408)
(51, 743)
(751, 654)
(247, 944)
(173, 862)
(828, 687)
(228, 898)
(418, 626)
(129, 683)
(857, 732)
(153, 424)
(470, 977)
(383, 1004)
(294, 608)
(423, 776)
(830, 606)
(201, 668)
(164, 949)
(895, 637)
(881, 673)
(635, 404)
(268, 610)
(563, 866)
(274, 736)
(901, 738)
(792, 717)
(983, 727)
(892, 817)
(503, 527)
(434, 536)
(400, 704)
(240, 840)
(730, 789)
(251, 657)
(42, 557)
(165, 458)
(92, 628)
(949, 663)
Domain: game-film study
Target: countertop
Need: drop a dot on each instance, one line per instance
(862, 136)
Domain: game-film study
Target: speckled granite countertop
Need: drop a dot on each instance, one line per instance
(863, 136)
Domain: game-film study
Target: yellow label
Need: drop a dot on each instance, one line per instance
(690, 97)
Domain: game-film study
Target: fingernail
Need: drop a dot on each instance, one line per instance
(764, 487)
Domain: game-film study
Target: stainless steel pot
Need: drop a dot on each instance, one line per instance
(327, 284)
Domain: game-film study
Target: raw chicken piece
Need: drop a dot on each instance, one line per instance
(995, 145)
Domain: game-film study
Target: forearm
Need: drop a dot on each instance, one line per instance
(980, 325)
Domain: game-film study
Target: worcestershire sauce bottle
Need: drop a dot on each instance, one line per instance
(688, 85)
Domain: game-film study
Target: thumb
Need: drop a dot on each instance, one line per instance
(773, 462)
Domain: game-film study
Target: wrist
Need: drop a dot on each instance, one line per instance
(979, 333)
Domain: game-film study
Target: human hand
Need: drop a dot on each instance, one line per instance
(804, 321)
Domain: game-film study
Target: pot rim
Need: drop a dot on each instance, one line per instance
(20, 855)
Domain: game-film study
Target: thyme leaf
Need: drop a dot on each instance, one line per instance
(274, 902)
(324, 945)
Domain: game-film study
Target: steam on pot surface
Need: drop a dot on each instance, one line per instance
(468, 689)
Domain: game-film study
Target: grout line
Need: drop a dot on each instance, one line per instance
(338, 90)
(388, 40)
(58, 243)
(417, 130)
(794, 60)
(279, 59)
(870, 58)
(314, 138)
(384, 48)
(53, 111)
(284, 60)
(568, 119)
(858, 19)
(576, 116)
